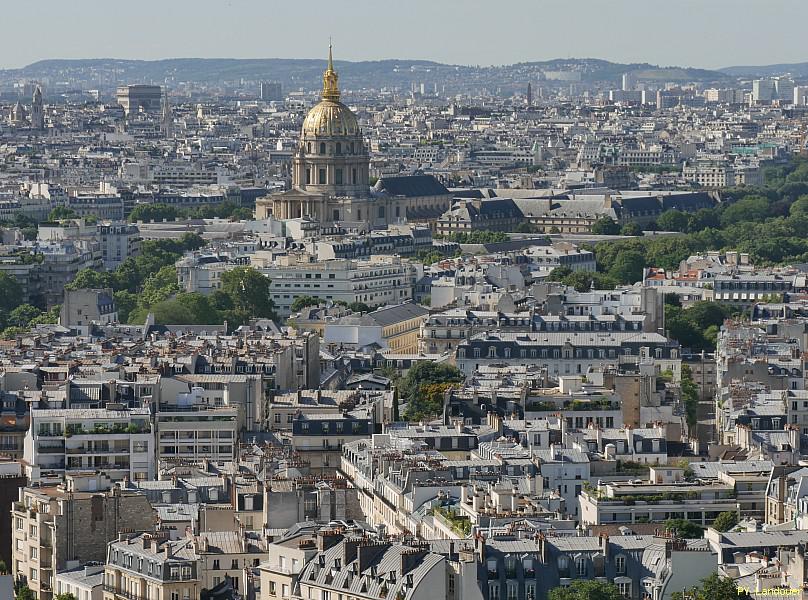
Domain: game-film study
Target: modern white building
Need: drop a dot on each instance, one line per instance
(193, 430)
(377, 281)
(118, 442)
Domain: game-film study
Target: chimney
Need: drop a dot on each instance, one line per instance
(327, 538)
(349, 547)
(368, 552)
(604, 545)
(411, 558)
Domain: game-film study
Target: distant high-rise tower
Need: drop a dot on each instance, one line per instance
(37, 110)
(629, 81)
(167, 121)
(271, 91)
(529, 94)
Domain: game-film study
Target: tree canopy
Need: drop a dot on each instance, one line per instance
(713, 587)
(684, 528)
(423, 388)
(587, 590)
(605, 226)
(725, 521)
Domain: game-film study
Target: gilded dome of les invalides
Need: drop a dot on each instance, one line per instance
(330, 117)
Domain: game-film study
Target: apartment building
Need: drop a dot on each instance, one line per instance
(119, 241)
(375, 281)
(394, 327)
(565, 353)
(55, 527)
(628, 502)
(227, 555)
(149, 565)
(116, 441)
(196, 431)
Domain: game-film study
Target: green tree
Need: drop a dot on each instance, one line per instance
(3, 567)
(631, 229)
(48, 317)
(153, 212)
(249, 291)
(586, 590)
(526, 227)
(301, 302)
(62, 212)
(64, 596)
(89, 279)
(10, 292)
(583, 281)
(673, 220)
(125, 302)
(559, 273)
(605, 226)
(751, 208)
(684, 528)
(628, 267)
(423, 386)
(359, 307)
(800, 206)
(159, 286)
(25, 593)
(23, 315)
(187, 308)
(713, 587)
(725, 521)
(478, 237)
(690, 396)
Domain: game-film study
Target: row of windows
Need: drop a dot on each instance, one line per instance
(322, 178)
(337, 148)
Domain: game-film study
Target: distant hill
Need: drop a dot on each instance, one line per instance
(796, 70)
(307, 73)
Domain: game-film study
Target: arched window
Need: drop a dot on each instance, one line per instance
(308, 148)
(339, 148)
(322, 147)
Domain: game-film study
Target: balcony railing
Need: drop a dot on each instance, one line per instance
(123, 593)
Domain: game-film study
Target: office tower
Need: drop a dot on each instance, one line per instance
(762, 90)
(628, 82)
(271, 91)
(785, 89)
(529, 94)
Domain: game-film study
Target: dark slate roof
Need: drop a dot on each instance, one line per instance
(388, 315)
(688, 201)
(412, 186)
(468, 194)
(648, 203)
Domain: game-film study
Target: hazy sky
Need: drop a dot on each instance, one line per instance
(699, 33)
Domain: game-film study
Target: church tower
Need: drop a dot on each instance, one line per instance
(37, 110)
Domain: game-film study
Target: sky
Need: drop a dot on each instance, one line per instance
(694, 33)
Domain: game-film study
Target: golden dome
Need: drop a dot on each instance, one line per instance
(330, 117)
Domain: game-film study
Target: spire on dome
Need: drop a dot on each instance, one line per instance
(330, 79)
